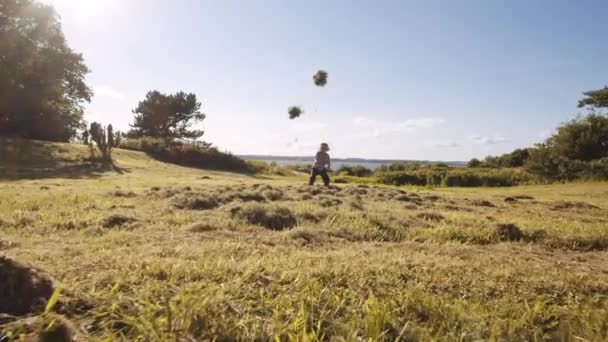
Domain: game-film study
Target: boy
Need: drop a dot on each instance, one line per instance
(321, 165)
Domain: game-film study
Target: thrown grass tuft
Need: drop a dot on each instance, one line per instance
(271, 217)
(23, 290)
(116, 220)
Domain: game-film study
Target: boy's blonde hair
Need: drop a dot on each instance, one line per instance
(324, 147)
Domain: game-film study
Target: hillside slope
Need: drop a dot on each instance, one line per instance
(31, 159)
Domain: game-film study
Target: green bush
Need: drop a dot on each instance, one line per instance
(354, 170)
(200, 155)
(461, 177)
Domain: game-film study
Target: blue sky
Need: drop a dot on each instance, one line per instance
(435, 80)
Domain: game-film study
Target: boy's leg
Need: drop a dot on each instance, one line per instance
(325, 177)
(313, 176)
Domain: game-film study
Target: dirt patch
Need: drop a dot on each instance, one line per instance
(430, 216)
(195, 203)
(565, 205)
(116, 220)
(271, 217)
(509, 232)
(511, 200)
(523, 197)
(23, 290)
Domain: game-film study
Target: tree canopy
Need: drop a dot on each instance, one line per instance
(167, 116)
(42, 87)
(595, 98)
(581, 139)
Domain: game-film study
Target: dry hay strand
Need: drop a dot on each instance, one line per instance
(273, 194)
(523, 197)
(125, 194)
(327, 202)
(116, 220)
(271, 217)
(402, 198)
(430, 216)
(23, 290)
(565, 205)
(195, 203)
(201, 227)
(483, 203)
(307, 216)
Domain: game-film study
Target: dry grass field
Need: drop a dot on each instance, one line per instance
(147, 251)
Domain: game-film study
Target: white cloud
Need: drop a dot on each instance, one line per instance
(309, 126)
(485, 140)
(546, 133)
(448, 144)
(376, 128)
(411, 124)
(108, 92)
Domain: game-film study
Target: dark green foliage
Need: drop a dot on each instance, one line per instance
(595, 98)
(320, 78)
(473, 163)
(104, 139)
(84, 137)
(516, 158)
(463, 177)
(578, 149)
(167, 116)
(584, 138)
(294, 112)
(356, 170)
(42, 86)
(199, 154)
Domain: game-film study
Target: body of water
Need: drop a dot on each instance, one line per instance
(336, 163)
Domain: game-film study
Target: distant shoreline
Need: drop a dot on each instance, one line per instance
(370, 163)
